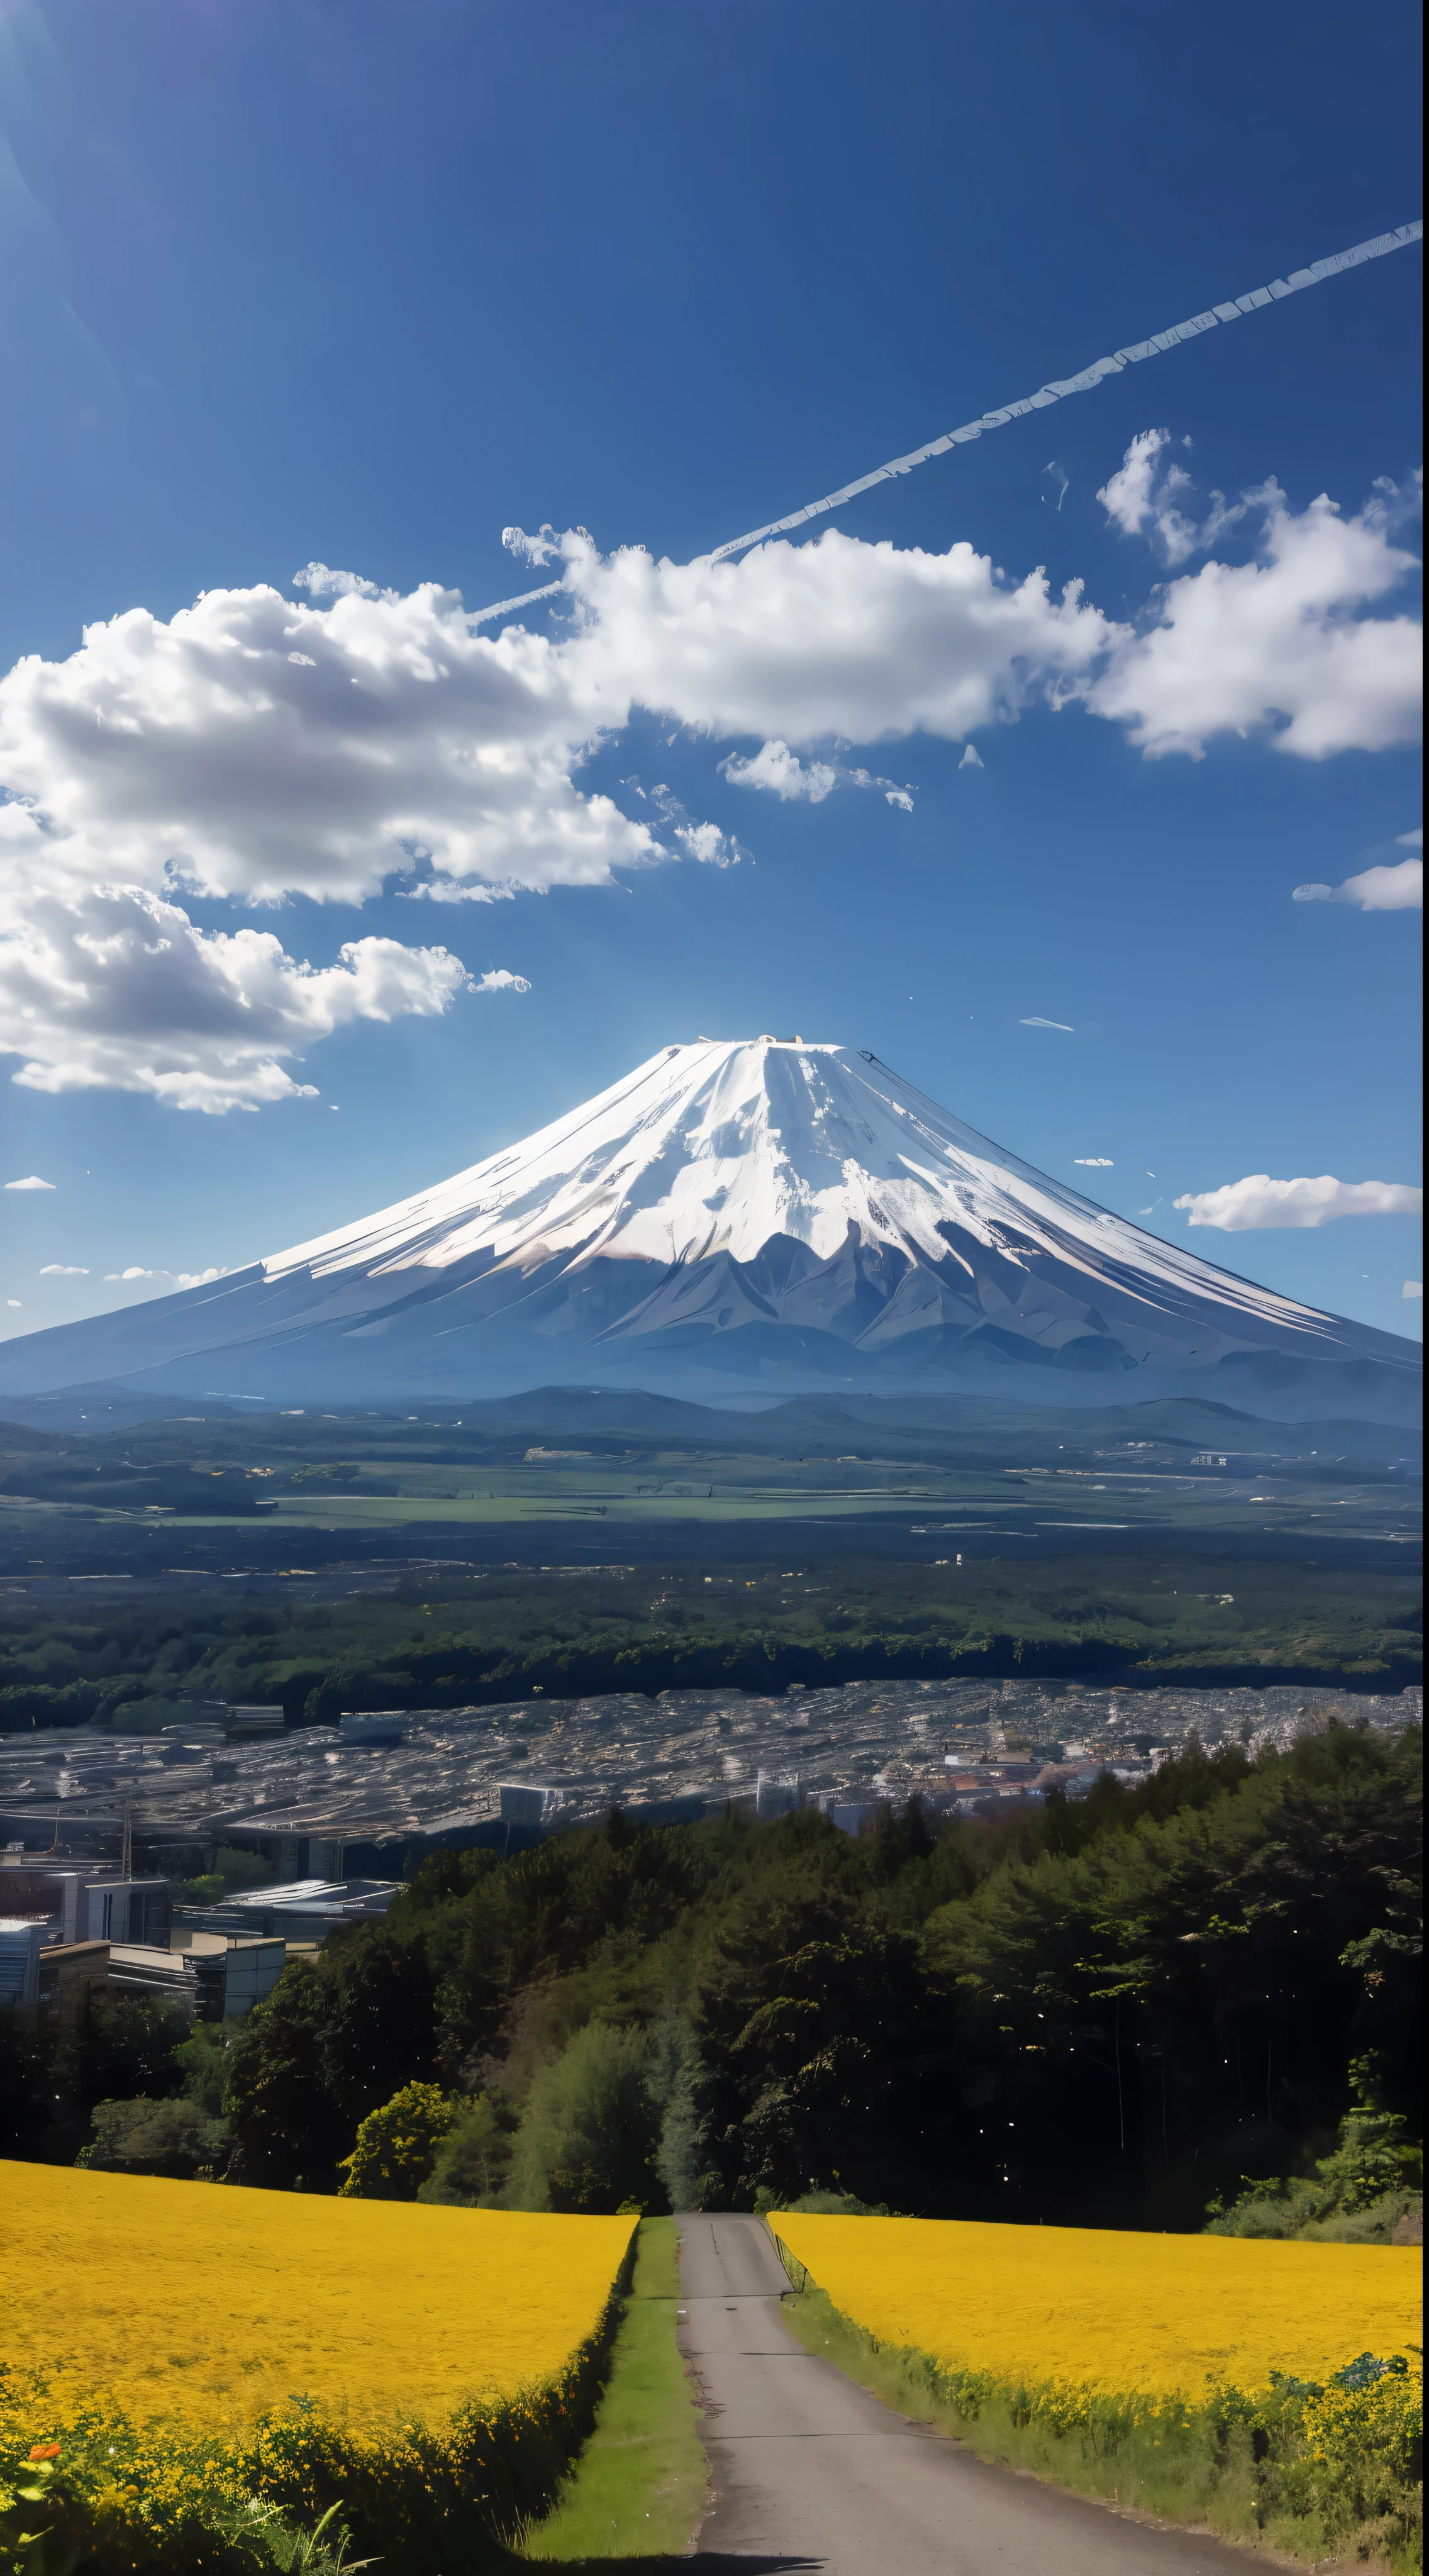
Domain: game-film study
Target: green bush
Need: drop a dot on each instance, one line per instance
(590, 2132)
(1358, 2194)
(175, 2139)
(472, 2160)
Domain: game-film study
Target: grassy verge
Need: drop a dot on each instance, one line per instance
(1241, 2479)
(638, 2487)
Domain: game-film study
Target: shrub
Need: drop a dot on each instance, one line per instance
(1358, 2194)
(472, 2160)
(397, 2146)
(590, 2131)
(177, 2140)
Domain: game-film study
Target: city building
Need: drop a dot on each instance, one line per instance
(303, 1912)
(21, 1939)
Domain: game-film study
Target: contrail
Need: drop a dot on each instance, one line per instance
(1336, 264)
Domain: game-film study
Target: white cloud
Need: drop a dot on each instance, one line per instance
(1274, 643)
(703, 842)
(835, 639)
(320, 580)
(12, 1301)
(109, 986)
(256, 748)
(32, 1181)
(779, 769)
(63, 1270)
(707, 843)
(1063, 1025)
(775, 767)
(196, 754)
(499, 980)
(1126, 497)
(1095, 1162)
(1389, 885)
(1241, 1206)
(972, 757)
(176, 1278)
(1412, 1288)
(1142, 499)
(545, 547)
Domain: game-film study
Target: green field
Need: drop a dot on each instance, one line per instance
(572, 1543)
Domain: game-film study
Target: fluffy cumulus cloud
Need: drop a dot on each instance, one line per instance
(31, 1181)
(1276, 645)
(63, 1270)
(499, 979)
(200, 753)
(256, 748)
(111, 986)
(778, 769)
(834, 639)
(1242, 1207)
(1388, 885)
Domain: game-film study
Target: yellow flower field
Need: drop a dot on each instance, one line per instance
(209, 2305)
(1112, 2311)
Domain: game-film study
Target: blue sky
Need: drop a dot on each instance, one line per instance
(358, 286)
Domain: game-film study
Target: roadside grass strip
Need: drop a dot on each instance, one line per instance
(1276, 2397)
(194, 2376)
(638, 2487)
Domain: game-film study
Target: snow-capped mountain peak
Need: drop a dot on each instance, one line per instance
(721, 1145)
(762, 1213)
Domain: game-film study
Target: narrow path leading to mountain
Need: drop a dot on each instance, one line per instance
(810, 2472)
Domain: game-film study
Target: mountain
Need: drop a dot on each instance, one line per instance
(734, 1218)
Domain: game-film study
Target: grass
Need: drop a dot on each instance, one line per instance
(1179, 2475)
(638, 2487)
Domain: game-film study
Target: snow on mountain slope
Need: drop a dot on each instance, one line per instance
(718, 1147)
(761, 1213)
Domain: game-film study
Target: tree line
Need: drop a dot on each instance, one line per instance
(445, 1640)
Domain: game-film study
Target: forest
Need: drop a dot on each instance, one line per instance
(452, 1637)
(1195, 1996)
